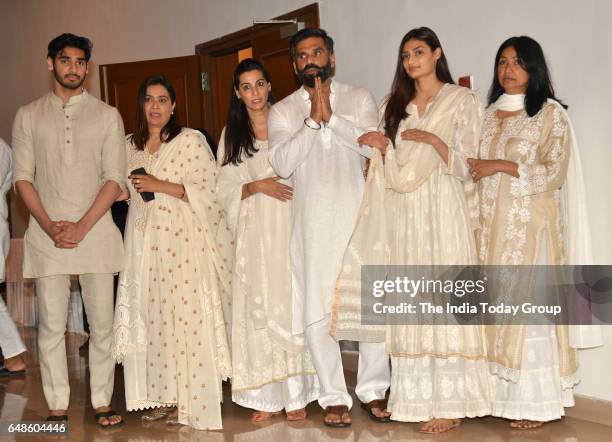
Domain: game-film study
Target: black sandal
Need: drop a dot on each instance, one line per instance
(57, 418)
(381, 404)
(107, 415)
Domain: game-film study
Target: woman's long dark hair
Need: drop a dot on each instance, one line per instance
(239, 133)
(531, 57)
(403, 89)
(141, 129)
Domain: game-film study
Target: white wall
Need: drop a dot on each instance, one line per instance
(576, 37)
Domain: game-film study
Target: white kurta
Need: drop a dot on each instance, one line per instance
(271, 369)
(326, 169)
(437, 371)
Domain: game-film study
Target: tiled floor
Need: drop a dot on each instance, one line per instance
(22, 400)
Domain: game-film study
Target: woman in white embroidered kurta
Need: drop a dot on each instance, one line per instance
(526, 147)
(272, 370)
(169, 325)
(439, 373)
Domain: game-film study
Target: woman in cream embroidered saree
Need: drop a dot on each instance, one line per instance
(169, 330)
(272, 369)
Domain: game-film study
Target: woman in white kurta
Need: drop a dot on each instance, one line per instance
(526, 148)
(272, 370)
(439, 373)
(169, 326)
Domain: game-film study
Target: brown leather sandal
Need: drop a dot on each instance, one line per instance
(340, 410)
(381, 404)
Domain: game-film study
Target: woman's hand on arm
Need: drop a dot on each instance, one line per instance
(268, 186)
(483, 168)
(422, 136)
(376, 140)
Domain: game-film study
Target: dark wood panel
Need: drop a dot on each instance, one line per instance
(120, 81)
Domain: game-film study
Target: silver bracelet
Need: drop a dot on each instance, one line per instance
(306, 122)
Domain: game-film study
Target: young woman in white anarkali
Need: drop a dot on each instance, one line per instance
(439, 373)
(532, 213)
(169, 330)
(272, 370)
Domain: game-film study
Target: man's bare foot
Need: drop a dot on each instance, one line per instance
(107, 421)
(297, 415)
(260, 416)
(58, 412)
(337, 416)
(526, 424)
(440, 425)
(16, 363)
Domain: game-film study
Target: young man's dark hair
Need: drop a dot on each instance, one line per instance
(308, 33)
(69, 41)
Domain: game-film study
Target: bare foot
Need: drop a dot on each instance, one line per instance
(440, 425)
(111, 420)
(526, 424)
(16, 363)
(297, 415)
(260, 416)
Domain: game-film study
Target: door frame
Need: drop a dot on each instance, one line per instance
(237, 41)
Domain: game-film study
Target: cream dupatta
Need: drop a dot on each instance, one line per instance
(403, 172)
(261, 277)
(205, 223)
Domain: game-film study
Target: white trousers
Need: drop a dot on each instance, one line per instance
(290, 394)
(373, 373)
(10, 341)
(53, 294)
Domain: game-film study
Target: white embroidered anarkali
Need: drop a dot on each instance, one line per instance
(437, 371)
(533, 367)
(272, 368)
(169, 330)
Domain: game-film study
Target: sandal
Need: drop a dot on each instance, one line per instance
(108, 414)
(339, 410)
(156, 414)
(381, 404)
(57, 418)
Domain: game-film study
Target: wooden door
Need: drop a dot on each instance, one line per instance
(119, 87)
(271, 46)
(269, 43)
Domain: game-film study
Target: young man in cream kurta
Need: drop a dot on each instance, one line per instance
(69, 163)
(313, 138)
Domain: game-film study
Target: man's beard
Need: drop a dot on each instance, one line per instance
(67, 85)
(308, 80)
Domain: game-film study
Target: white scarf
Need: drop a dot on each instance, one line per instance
(573, 200)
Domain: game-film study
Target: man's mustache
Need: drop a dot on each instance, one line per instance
(319, 69)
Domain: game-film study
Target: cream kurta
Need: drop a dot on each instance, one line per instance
(264, 350)
(68, 151)
(169, 327)
(437, 371)
(326, 170)
(521, 224)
